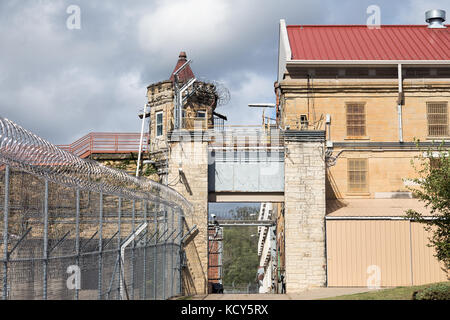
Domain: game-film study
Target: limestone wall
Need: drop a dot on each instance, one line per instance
(304, 216)
(192, 183)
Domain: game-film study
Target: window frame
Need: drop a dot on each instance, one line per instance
(304, 122)
(446, 134)
(364, 113)
(159, 125)
(201, 111)
(352, 189)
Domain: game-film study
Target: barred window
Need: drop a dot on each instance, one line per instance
(159, 124)
(356, 119)
(437, 116)
(435, 163)
(357, 175)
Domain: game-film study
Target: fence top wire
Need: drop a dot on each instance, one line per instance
(23, 150)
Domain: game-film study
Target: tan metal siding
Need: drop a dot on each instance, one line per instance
(426, 268)
(354, 245)
(394, 246)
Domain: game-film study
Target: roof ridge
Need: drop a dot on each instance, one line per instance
(354, 25)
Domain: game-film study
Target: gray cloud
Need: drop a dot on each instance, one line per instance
(62, 84)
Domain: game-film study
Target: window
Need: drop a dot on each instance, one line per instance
(159, 124)
(437, 117)
(201, 114)
(357, 175)
(356, 119)
(435, 163)
(303, 122)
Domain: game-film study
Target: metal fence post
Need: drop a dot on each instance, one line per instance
(5, 235)
(180, 230)
(77, 239)
(155, 252)
(119, 213)
(172, 255)
(164, 255)
(100, 248)
(45, 253)
(144, 293)
(133, 227)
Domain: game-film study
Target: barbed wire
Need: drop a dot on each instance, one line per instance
(22, 149)
(215, 90)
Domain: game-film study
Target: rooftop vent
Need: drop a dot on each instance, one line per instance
(435, 18)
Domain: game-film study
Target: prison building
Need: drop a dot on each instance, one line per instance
(372, 90)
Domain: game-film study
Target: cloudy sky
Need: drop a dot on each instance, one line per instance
(62, 83)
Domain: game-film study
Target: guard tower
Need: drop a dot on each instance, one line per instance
(181, 102)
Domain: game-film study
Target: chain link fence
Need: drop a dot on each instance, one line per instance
(73, 229)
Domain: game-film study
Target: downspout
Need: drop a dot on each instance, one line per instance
(399, 104)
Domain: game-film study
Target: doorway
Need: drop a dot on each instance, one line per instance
(245, 247)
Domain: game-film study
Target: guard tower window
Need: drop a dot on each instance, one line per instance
(159, 124)
(437, 117)
(201, 114)
(356, 119)
(357, 175)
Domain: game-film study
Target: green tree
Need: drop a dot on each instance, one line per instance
(240, 259)
(240, 248)
(433, 188)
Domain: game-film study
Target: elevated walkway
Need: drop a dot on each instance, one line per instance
(106, 142)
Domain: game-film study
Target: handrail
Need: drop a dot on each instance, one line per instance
(106, 142)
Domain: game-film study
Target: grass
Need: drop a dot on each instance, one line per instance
(398, 293)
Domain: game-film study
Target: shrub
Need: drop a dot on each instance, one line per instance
(439, 291)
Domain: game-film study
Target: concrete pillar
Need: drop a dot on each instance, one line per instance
(192, 182)
(304, 214)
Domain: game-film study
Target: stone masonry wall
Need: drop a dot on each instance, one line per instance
(192, 158)
(305, 216)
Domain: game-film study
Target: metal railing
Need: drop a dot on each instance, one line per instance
(104, 142)
(73, 229)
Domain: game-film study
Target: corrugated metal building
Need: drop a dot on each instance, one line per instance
(366, 237)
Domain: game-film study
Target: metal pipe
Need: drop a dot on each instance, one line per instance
(155, 251)
(172, 276)
(100, 249)
(164, 256)
(77, 236)
(399, 106)
(144, 276)
(45, 251)
(180, 227)
(133, 248)
(5, 235)
(121, 253)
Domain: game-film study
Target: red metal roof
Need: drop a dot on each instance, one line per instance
(358, 42)
(185, 74)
